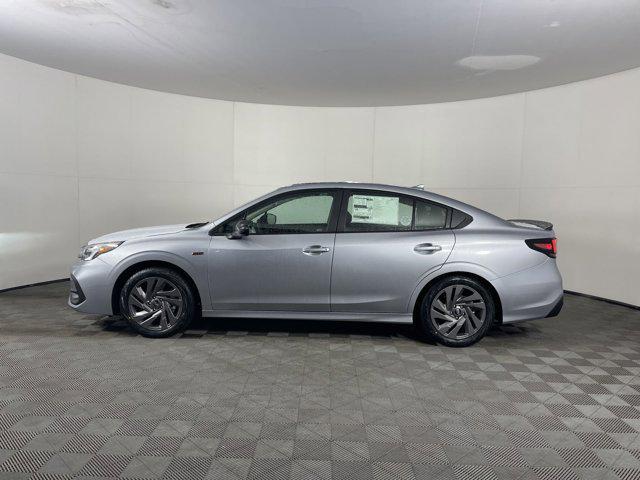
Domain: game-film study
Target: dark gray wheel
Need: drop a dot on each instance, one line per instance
(457, 311)
(155, 303)
(158, 302)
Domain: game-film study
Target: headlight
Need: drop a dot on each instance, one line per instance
(89, 252)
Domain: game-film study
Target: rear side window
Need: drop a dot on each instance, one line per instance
(430, 216)
(379, 212)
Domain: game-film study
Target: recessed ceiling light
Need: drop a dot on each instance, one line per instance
(498, 62)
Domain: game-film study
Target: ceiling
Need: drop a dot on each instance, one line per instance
(328, 52)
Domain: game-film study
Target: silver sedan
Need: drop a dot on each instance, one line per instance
(329, 251)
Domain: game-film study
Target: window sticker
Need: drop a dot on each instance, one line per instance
(377, 210)
(405, 220)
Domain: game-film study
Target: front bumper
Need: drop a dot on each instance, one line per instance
(90, 289)
(76, 295)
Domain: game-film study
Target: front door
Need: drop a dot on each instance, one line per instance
(386, 243)
(285, 261)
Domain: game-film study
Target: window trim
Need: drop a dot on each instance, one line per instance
(217, 231)
(384, 193)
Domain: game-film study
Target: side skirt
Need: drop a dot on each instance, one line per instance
(292, 315)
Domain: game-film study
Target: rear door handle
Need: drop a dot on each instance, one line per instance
(426, 248)
(315, 250)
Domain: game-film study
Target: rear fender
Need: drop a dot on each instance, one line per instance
(448, 269)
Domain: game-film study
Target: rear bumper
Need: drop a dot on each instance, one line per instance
(556, 310)
(532, 293)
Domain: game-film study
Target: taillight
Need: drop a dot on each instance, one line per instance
(548, 246)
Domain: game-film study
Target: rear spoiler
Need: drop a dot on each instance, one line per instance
(532, 223)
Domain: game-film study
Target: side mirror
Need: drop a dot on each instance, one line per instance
(271, 219)
(241, 229)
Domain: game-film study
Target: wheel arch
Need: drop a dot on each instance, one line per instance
(479, 278)
(136, 267)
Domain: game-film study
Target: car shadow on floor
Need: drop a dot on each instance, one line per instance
(303, 328)
(259, 326)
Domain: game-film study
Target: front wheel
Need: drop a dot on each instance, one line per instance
(456, 311)
(158, 302)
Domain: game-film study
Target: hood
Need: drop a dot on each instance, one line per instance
(139, 233)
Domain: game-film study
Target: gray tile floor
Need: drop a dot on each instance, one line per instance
(82, 397)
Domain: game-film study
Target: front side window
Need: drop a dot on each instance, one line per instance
(379, 212)
(297, 213)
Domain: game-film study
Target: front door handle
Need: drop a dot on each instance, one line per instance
(426, 248)
(315, 250)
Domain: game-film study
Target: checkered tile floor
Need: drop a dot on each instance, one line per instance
(82, 397)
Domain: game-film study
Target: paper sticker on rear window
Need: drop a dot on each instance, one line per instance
(374, 209)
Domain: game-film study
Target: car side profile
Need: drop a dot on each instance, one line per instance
(329, 251)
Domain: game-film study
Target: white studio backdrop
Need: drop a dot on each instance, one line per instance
(80, 157)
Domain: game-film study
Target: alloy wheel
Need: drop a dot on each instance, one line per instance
(155, 303)
(458, 311)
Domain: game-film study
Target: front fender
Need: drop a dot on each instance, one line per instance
(196, 269)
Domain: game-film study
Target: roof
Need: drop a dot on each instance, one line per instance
(358, 185)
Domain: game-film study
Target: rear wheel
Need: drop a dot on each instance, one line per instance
(457, 311)
(158, 302)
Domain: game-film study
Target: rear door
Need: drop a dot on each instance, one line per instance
(386, 242)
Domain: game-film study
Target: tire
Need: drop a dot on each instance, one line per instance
(170, 308)
(460, 321)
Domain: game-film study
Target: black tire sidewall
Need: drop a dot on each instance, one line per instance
(424, 319)
(188, 310)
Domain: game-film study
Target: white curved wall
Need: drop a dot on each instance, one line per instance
(80, 157)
